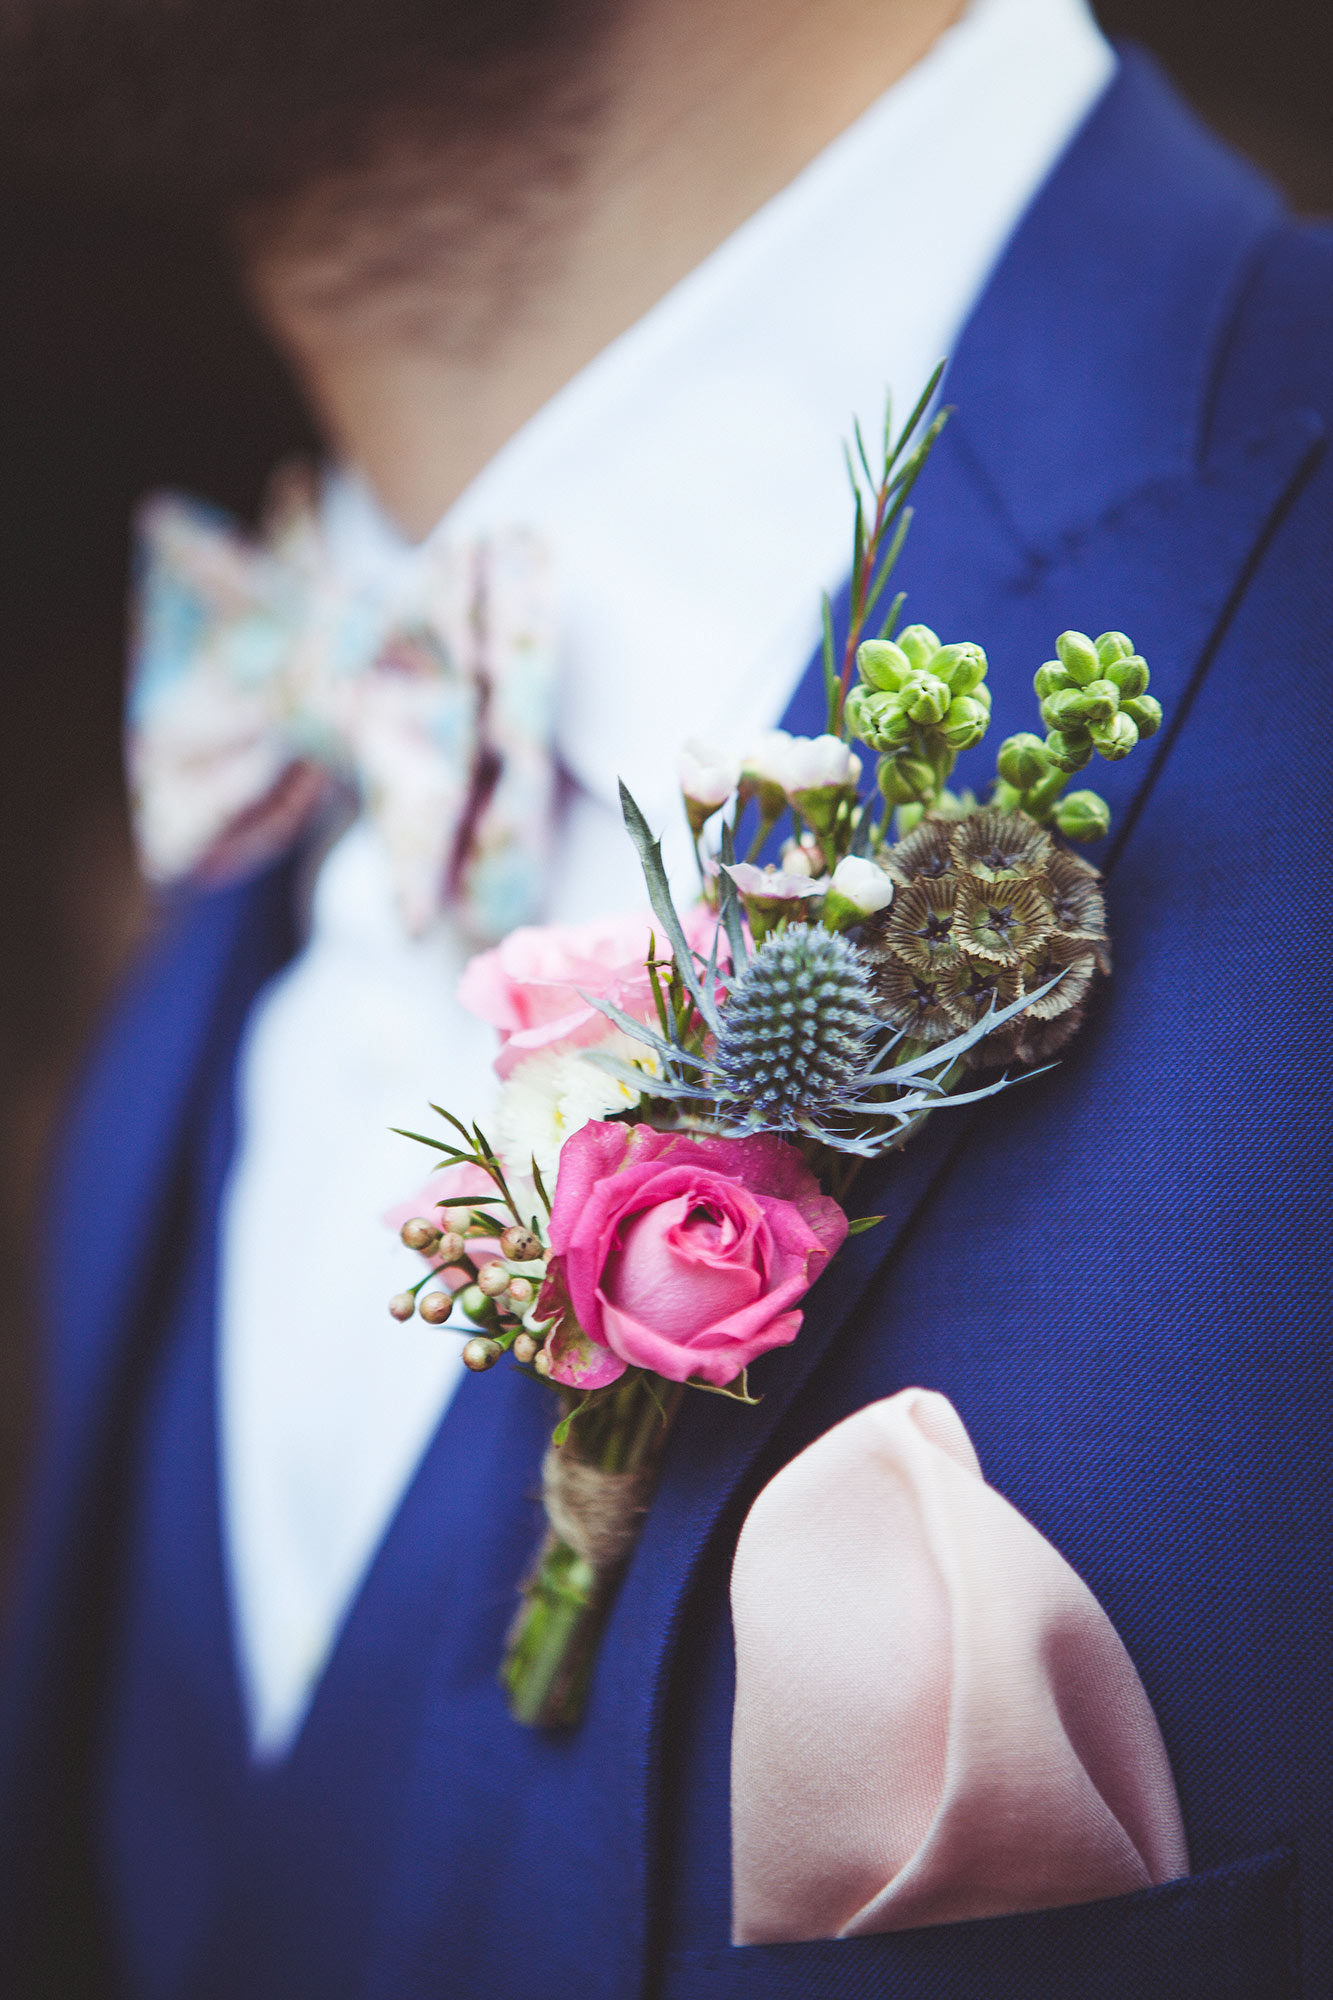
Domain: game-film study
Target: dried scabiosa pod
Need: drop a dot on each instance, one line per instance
(990, 907)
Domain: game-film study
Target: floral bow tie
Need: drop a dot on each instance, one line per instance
(261, 679)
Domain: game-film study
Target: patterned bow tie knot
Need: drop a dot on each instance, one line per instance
(262, 678)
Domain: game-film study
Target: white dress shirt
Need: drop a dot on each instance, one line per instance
(690, 485)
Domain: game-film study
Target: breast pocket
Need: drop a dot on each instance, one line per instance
(1229, 1934)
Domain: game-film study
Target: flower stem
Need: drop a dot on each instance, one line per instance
(566, 1596)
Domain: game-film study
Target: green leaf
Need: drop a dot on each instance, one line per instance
(862, 1223)
(659, 895)
(436, 1145)
(923, 404)
(640, 1080)
(832, 683)
(542, 1195)
(890, 625)
(886, 567)
(732, 921)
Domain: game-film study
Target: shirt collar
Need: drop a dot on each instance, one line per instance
(689, 481)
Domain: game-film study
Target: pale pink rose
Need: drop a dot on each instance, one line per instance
(452, 1187)
(531, 987)
(686, 1255)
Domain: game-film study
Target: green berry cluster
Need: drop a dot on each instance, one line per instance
(1094, 697)
(918, 704)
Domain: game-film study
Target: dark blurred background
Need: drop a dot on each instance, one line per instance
(127, 362)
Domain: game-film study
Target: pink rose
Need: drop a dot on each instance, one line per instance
(680, 1254)
(532, 986)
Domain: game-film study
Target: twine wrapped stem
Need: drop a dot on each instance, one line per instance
(597, 1488)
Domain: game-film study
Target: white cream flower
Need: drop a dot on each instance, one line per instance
(554, 1093)
(863, 884)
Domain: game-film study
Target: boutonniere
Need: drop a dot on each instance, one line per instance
(686, 1102)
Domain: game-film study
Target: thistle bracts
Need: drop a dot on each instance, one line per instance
(796, 1030)
(990, 910)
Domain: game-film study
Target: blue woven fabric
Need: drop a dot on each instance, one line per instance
(1118, 1273)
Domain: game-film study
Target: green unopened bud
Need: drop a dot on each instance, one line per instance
(883, 665)
(1116, 738)
(981, 693)
(1078, 657)
(1069, 709)
(1146, 714)
(1130, 675)
(962, 666)
(964, 723)
(1103, 699)
(1050, 679)
(920, 644)
(1071, 749)
(1113, 646)
(473, 1301)
(1022, 760)
(902, 779)
(1083, 816)
(926, 698)
(893, 725)
(857, 711)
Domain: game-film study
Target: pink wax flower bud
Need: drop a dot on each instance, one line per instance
(453, 1185)
(770, 895)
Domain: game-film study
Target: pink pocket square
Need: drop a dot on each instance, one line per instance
(934, 1717)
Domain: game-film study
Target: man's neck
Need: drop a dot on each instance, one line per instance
(709, 108)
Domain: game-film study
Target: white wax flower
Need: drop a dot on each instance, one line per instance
(818, 763)
(863, 884)
(553, 1093)
(767, 759)
(708, 777)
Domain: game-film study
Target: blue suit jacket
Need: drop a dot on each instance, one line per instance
(1118, 1273)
